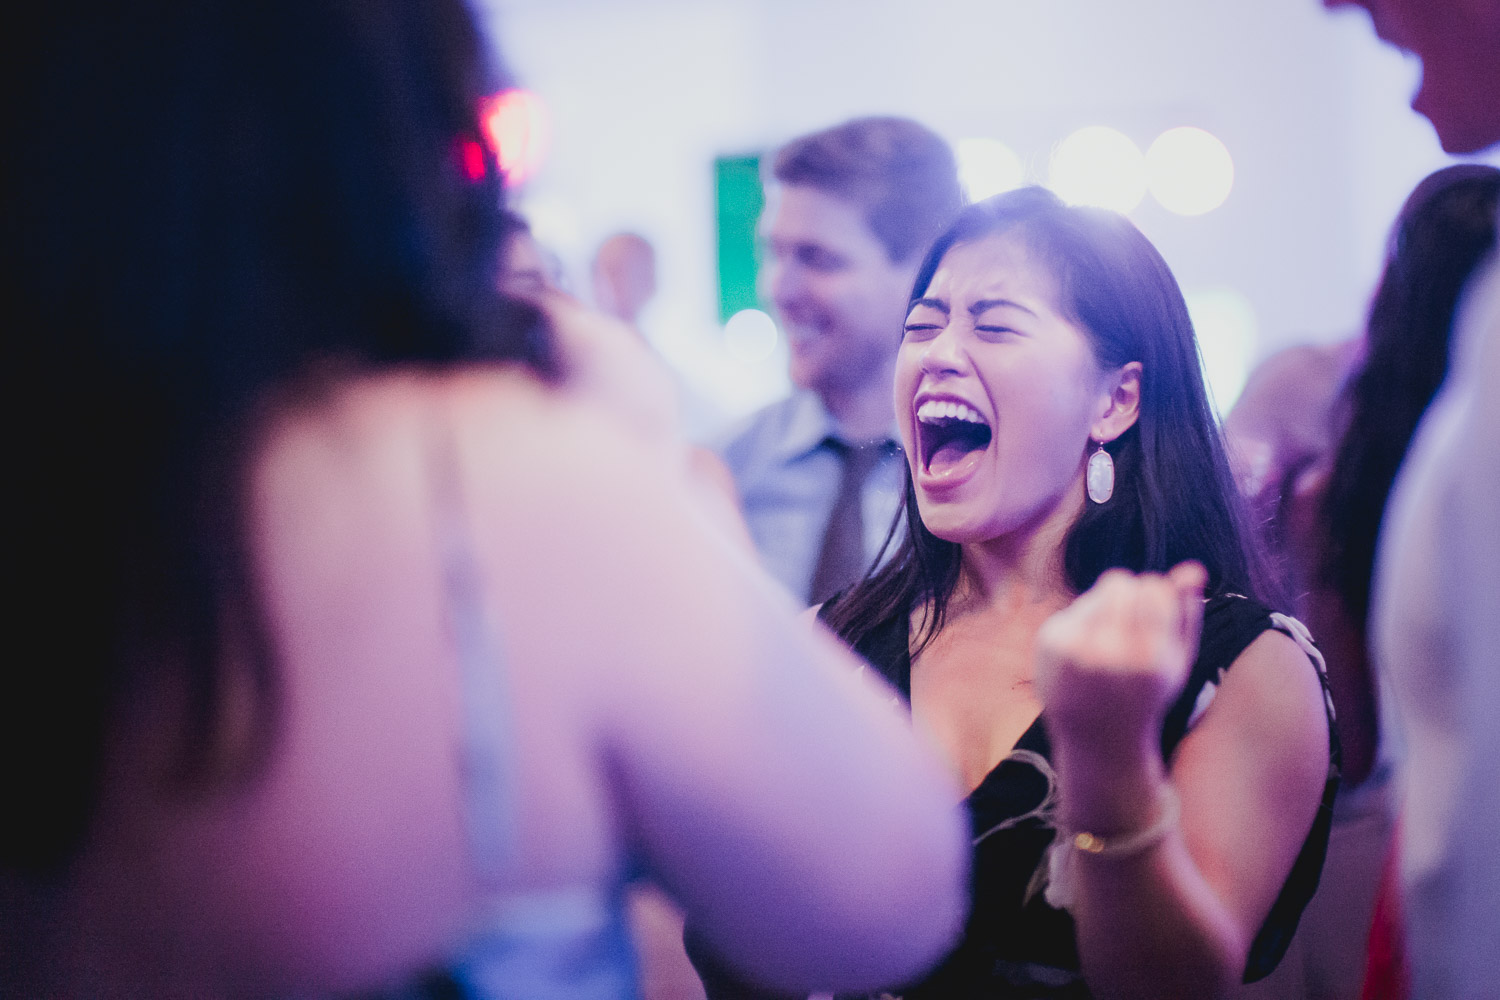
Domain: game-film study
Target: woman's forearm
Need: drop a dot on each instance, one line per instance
(1148, 923)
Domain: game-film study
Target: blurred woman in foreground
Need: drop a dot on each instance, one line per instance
(1148, 757)
(349, 650)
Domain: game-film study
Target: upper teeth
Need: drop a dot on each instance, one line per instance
(940, 409)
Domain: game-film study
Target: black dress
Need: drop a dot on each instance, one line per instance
(1017, 946)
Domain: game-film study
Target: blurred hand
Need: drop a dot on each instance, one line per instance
(609, 363)
(1110, 664)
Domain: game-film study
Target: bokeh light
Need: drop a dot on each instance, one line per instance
(750, 336)
(1225, 323)
(988, 167)
(1098, 166)
(519, 130)
(555, 223)
(1190, 170)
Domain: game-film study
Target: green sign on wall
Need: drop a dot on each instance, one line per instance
(738, 198)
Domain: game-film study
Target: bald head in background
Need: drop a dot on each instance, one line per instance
(624, 276)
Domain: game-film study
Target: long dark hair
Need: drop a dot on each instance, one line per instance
(1444, 230)
(1174, 497)
(209, 203)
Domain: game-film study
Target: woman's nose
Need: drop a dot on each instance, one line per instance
(945, 354)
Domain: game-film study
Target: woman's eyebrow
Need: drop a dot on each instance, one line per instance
(985, 304)
(937, 304)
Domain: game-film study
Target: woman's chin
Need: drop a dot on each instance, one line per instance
(953, 526)
(963, 524)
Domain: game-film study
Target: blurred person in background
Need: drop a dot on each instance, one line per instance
(1434, 630)
(849, 213)
(525, 272)
(624, 277)
(1148, 758)
(1282, 425)
(344, 650)
(1330, 520)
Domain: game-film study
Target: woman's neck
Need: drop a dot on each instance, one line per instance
(1022, 569)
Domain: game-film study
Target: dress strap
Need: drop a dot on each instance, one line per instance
(560, 944)
(1303, 638)
(485, 753)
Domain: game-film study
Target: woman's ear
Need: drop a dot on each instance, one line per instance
(1122, 406)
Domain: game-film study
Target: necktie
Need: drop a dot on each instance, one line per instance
(841, 558)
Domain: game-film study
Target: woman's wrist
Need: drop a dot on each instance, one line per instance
(1110, 791)
(1127, 843)
(1075, 842)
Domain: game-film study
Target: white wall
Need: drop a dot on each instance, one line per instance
(644, 93)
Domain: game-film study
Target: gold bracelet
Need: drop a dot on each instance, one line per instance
(1133, 843)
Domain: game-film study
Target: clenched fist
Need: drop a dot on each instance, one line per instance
(1111, 663)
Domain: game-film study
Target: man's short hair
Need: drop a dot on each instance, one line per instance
(901, 174)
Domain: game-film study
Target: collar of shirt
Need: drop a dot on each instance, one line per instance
(809, 424)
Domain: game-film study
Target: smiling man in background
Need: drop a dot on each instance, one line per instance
(849, 213)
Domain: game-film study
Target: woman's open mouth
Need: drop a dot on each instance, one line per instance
(952, 437)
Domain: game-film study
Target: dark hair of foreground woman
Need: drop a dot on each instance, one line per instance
(208, 203)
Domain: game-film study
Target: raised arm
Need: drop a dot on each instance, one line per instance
(813, 840)
(781, 797)
(1167, 903)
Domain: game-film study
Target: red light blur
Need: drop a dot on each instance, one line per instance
(471, 156)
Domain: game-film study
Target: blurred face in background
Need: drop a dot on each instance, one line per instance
(1458, 42)
(839, 297)
(524, 273)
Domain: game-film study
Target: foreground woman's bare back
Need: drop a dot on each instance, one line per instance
(658, 698)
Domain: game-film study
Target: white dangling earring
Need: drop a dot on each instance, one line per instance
(1101, 475)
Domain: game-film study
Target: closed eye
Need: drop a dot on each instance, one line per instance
(922, 331)
(992, 332)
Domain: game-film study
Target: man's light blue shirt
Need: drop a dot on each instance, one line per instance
(788, 477)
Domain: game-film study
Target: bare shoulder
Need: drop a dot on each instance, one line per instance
(1268, 723)
(1273, 689)
(1251, 775)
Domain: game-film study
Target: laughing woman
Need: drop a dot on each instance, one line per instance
(1072, 614)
